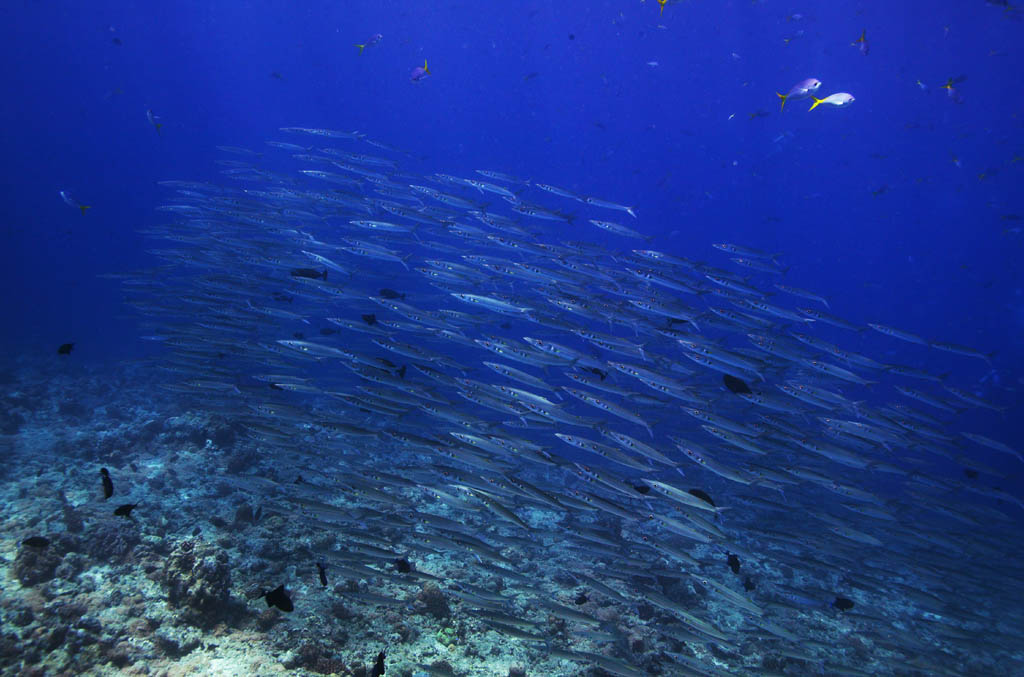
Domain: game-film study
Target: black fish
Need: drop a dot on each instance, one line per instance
(299, 335)
(391, 294)
(369, 318)
(311, 273)
(65, 348)
(971, 473)
(401, 371)
(36, 542)
(378, 667)
(843, 603)
(327, 331)
(736, 385)
(402, 565)
(323, 573)
(642, 489)
(126, 510)
(748, 584)
(117, 41)
(581, 599)
(734, 563)
(596, 372)
(702, 496)
(108, 486)
(279, 598)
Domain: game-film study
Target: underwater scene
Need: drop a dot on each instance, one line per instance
(520, 339)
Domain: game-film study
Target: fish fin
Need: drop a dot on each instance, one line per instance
(817, 102)
(83, 208)
(783, 97)
(425, 69)
(629, 210)
(361, 48)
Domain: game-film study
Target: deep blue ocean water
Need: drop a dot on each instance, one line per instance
(903, 208)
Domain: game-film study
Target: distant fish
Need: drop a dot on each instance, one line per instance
(862, 42)
(403, 566)
(311, 273)
(735, 385)
(279, 598)
(843, 603)
(36, 542)
(580, 599)
(374, 39)
(748, 584)
(322, 570)
(153, 121)
(702, 496)
(108, 485)
(65, 348)
(369, 318)
(734, 563)
(378, 666)
(391, 294)
(420, 72)
(125, 510)
(72, 202)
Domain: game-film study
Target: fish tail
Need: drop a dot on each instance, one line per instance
(783, 97)
(361, 48)
(425, 69)
(816, 103)
(83, 208)
(158, 125)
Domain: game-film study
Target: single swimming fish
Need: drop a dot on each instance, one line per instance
(800, 90)
(71, 202)
(374, 39)
(419, 72)
(839, 100)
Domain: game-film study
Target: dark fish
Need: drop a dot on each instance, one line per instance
(642, 489)
(279, 598)
(125, 510)
(323, 573)
(402, 565)
(299, 335)
(369, 319)
(971, 473)
(734, 563)
(117, 41)
(735, 385)
(36, 542)
(108, 485)
(281, 296)
(581, 599)
(378, 667)
(65, 348)
(748, 584)
(391, 294)
(702, 496)
(311, 273)
(327, 331)
(596, 372)
(401, 371)
(843, 603)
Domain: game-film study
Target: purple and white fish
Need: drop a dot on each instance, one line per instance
(420, 72)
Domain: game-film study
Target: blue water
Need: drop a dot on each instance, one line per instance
(561, 93)
(903, 209)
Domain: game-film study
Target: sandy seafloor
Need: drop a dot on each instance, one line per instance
(165, 592)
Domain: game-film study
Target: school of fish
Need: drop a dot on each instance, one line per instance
(467, 383)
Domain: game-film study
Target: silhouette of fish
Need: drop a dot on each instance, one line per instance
(65, 348)
(843, 603)
(323, 573)
(734, 563)
(36, 542)
(378, 666)
(735, 385)
(108, 485)
(125, 510)
(279, 598)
